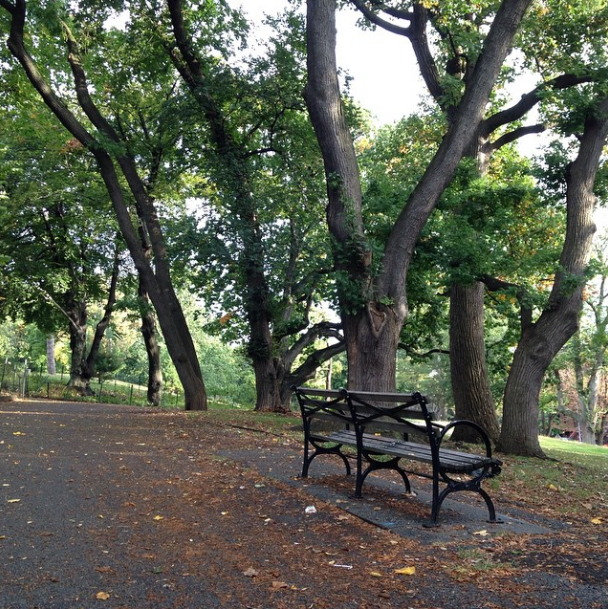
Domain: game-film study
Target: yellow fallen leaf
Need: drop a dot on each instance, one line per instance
(406, 571)
(596, 521)
(18, 433)
(552, 487)
(13, 500)
(375, 574)
(102, 596)
(278, 584)
(482, 533)
(159, 517)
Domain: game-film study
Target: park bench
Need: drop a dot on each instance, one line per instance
(393, 431)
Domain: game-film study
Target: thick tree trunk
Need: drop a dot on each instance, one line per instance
(268, 385)
(541, 341)
(539, 344)
(372, 337)
(470, 385)
(80, 378)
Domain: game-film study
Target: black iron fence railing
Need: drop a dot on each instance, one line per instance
(22, 380)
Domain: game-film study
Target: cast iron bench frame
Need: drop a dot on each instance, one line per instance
(364, 418)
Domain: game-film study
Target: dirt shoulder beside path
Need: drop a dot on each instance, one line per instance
(124, 508)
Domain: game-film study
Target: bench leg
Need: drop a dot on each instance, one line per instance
(452, 488)
(320, 450)
(373, 466)
(490, 504)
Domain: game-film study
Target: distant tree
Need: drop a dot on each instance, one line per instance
(98, 127)
(59, 244)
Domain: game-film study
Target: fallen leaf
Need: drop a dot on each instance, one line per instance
(13, 500)
(406, 571)
(158, 518)
(279, 585)
(251, 572)
(18, 433)
(103, 569)
(596, 521)
(552, 487)
(102, 596)
(482, 533)
(375, 574)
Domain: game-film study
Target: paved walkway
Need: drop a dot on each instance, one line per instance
(82, 486)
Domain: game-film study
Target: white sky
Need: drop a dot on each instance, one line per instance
(385, 76)
(382, 65)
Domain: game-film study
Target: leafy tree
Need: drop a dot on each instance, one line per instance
(462, 66)
(261, 246)
(59, 252)
(90, 117)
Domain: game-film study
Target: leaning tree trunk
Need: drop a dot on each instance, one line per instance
(541, 341)
(468, 367)
(157, 280)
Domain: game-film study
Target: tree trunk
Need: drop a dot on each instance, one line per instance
(50, 354)
(371, 339)
(104, 322)
(80, 378)
(470, 385)
(148, 331)
(541, 341)
(268, 385)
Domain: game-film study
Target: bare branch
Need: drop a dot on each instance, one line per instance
(383, 23)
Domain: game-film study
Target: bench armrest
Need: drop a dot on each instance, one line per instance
(464, 422)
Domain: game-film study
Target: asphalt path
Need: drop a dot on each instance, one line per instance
(65, 541)
(84, 489)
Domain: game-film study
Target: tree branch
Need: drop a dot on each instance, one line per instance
(529, 100)
(306, 371)
(513, 136)
(386, 25)
(498, 285)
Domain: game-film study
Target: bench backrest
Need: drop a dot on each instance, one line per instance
(322, 404)
(402, 412)
(369, 411)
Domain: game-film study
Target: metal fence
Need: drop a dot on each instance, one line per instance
(18, 378)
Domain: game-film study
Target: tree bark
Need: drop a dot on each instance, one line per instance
(468, 368)
(80, 379)
(541, 341)
(149, 334)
